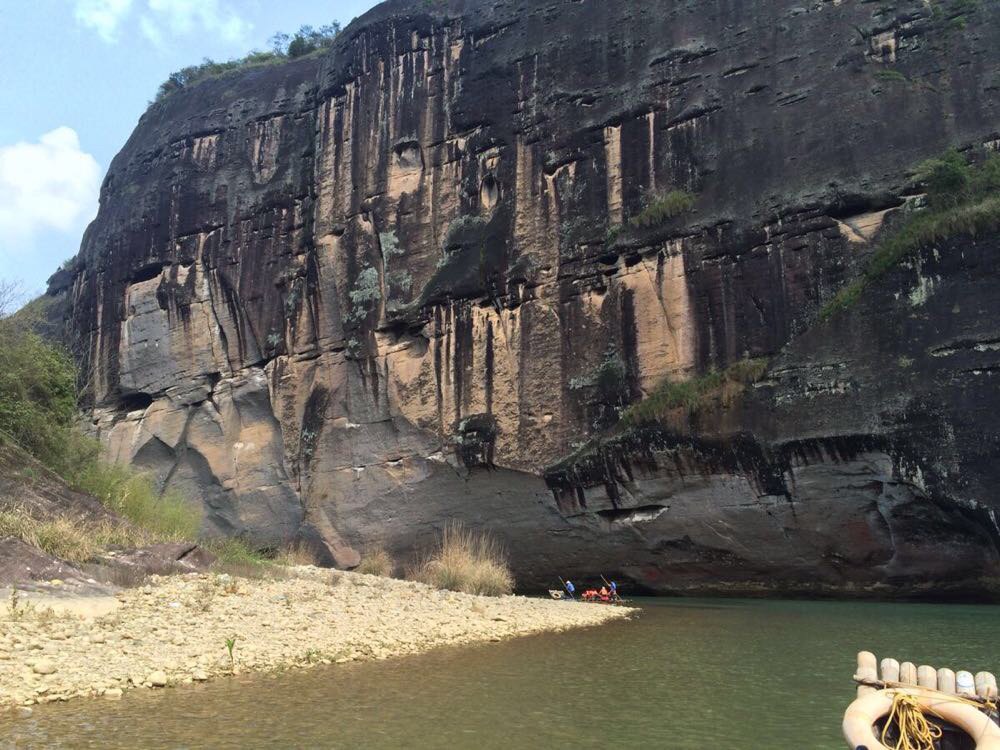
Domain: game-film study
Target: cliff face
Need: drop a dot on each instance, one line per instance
(351, 297)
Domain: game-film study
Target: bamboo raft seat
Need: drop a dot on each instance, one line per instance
(923, 706)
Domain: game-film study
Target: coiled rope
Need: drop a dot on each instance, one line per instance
(915, 731)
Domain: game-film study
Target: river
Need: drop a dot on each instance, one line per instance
(685, 673)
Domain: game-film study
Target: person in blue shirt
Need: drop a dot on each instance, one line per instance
(570, 588)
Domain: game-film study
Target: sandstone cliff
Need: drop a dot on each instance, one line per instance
(351, 297)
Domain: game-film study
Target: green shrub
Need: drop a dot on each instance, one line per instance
(37, 387)
(466, 561)
(696, 393)
(130, 494)
(962, 199)
(664, 207)
(947, 179)
(985, 178)
(236, 551)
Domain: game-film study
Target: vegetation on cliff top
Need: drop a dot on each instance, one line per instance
(306, 41)
(962, 198)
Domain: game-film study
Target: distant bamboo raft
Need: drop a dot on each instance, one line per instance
(981, 686)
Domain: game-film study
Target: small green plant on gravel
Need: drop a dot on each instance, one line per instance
(230, 647)
(313, 655)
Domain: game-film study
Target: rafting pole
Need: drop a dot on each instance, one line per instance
(608, 584)
(566, 588)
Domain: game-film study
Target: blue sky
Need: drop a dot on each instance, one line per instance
(74, 77)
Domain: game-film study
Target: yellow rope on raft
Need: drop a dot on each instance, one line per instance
(915, 732)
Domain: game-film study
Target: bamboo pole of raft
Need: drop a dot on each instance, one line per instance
(867, 671)
(981, 688)
(986, 686)
(890, 670)
(965, 683)
(927, 677)
(946, 681)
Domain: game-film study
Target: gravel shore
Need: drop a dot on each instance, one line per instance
(175, 630)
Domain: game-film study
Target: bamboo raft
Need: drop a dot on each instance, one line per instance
(957, 709)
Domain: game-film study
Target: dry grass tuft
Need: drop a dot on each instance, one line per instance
(466, 561)
(71, 539)
(64, 538)
(295, 554)
(376, 562)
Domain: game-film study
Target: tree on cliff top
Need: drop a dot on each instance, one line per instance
(305, 41)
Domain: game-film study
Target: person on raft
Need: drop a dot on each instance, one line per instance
(570, 588)
(614, 591)
(604, 594)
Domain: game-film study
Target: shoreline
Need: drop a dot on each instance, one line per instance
(174, 631)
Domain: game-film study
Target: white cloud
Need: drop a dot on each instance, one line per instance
(151, 31)
(104, 16)
(51, 184)
(186, 16)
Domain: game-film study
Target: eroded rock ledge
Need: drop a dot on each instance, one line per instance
(351, 297)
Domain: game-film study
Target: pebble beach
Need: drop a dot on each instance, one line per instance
(182, 629)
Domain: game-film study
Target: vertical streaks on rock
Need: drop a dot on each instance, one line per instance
(402, 281)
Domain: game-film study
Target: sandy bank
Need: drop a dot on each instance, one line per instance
(174, 630)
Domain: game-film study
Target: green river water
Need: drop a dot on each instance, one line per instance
(686, 673)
